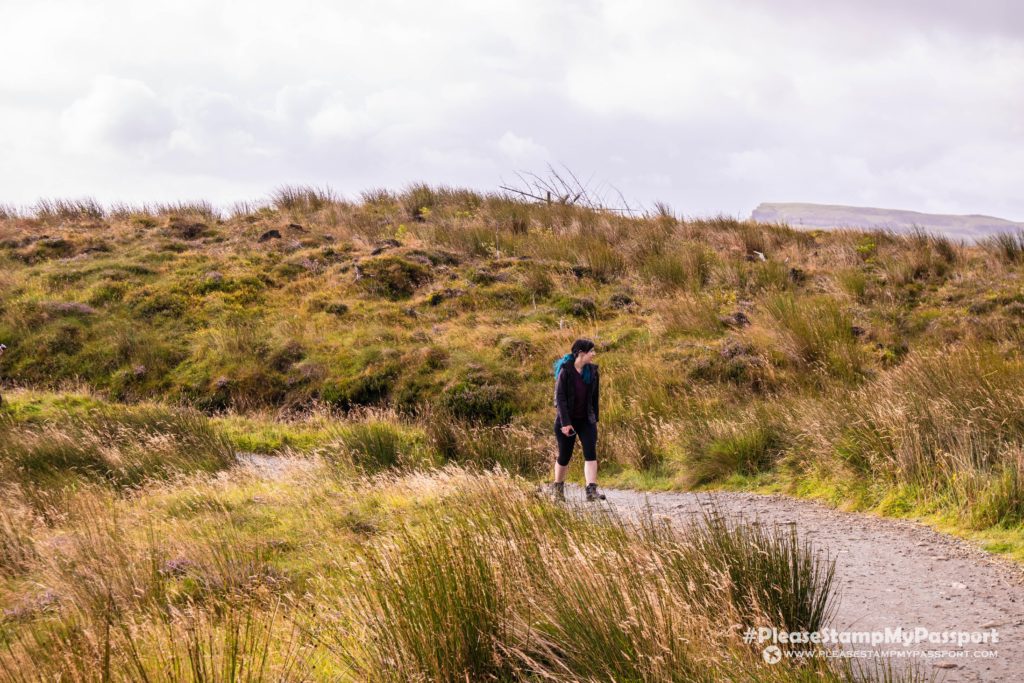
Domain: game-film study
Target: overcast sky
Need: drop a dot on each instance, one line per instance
(709, 105)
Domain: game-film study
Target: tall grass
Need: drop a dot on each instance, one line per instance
(372, 444)
(55, 210)
(637, 440)
(472, 240)
(854, 282)
(451, 576)
(501, 587)
(769, 571)
(418, 200)
(687, 265)
(816, 333)
(432, 609)
(509, 447)
(244, 644)
(718, 446)
(951, 422)
(198, 209)
(696, 315)
(17, 545)
(602, 258)
(123, 447)
(302, 199)
(1007, 246)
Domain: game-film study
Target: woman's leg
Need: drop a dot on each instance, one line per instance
(588, 439)
(565, 447)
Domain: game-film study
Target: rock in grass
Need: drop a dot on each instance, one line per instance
(270, 235)
(188, 231)
(621, 300)
(736, 319)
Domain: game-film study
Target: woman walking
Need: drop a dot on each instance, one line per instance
(577, 390)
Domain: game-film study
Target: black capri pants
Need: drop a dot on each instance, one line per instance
(588, 438)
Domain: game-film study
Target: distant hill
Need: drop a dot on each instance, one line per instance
(799, 215)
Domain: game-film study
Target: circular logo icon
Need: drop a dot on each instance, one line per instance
(772, 654)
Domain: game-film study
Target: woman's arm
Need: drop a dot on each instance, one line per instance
(562, 397)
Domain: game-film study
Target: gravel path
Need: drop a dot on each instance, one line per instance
(890, 573)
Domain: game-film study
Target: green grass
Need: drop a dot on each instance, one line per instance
(816, 333)
(257, 433)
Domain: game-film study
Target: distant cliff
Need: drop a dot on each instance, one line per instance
(831, 216)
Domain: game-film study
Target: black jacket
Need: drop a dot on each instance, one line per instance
(565, 394)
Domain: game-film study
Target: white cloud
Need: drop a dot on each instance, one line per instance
(340, 121)
(712, 106)
(116, 115)
(522, 149)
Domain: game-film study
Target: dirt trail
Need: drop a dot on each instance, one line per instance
(890, 573)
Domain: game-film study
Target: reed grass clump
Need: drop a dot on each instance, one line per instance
(478, 446)
(684, 266)
(120, 446)
(502, 586)
(816, 333)
(951, 421)
(373, 444)
(1006, 246)
(692, 315)
(302, 199)
(57, 210)
(244, 643)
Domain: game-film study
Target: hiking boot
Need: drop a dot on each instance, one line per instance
(558, 491)
(593, 494)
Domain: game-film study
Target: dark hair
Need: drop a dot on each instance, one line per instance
(582, 346)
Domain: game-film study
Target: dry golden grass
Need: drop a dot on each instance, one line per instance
(428, 575)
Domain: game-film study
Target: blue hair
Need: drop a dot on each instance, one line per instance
(570, 358)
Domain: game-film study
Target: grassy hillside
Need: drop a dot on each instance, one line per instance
(890, 364)
(399, 344)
